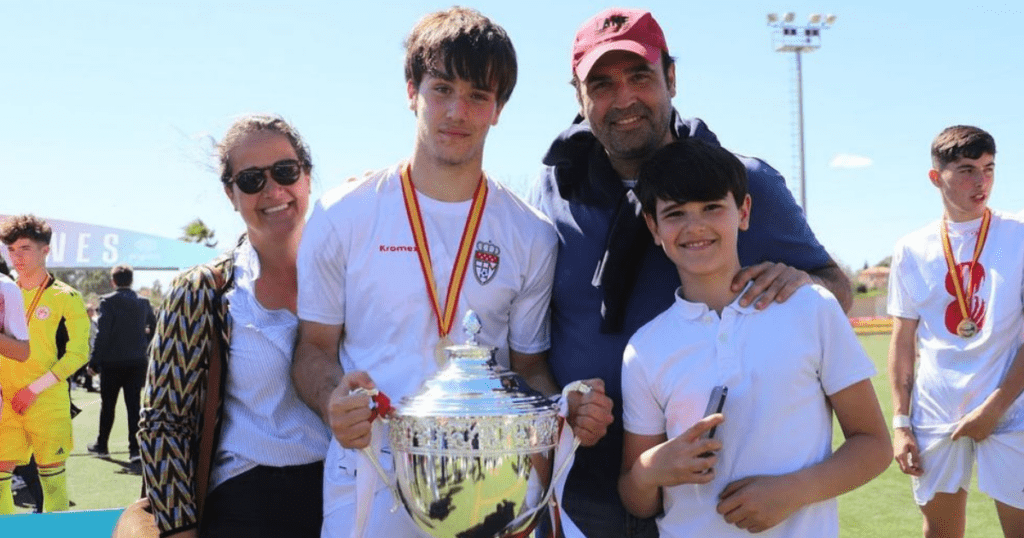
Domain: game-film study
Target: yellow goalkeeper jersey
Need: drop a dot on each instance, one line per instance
(58, 330)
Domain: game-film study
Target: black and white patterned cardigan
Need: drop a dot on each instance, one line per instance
(175, 392)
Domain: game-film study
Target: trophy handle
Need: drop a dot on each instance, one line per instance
(563, 468)
(582, 388)
(380, 408)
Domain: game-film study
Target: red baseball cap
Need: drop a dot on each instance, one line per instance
(632, 30)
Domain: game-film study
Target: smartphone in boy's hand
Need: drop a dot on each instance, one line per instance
(715, 404)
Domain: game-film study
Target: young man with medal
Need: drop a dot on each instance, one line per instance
(956, 294)
(389, 265)
(36, 417)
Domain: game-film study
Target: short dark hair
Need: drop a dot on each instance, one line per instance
(121, 275)
(959, 141)
(251, 123)
(461, 42)
(29, 226)
(690, 170)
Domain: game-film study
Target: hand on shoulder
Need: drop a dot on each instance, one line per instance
(772, 281)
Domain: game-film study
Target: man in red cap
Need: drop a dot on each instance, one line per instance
(610, 277)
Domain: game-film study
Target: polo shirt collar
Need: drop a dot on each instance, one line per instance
(692, 311)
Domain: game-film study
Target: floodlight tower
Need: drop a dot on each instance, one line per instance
(788, 36)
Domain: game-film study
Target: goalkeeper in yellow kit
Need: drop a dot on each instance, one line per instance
(36, 414)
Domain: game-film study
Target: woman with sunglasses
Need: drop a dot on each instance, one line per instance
(267, 470)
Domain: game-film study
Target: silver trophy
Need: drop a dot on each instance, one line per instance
(474, 448)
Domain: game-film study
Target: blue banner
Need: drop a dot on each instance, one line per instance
(76, 245)
(84, 524)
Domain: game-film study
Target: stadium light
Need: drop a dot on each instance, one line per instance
(798, 39)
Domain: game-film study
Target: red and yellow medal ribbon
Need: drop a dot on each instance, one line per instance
(419, 234)
(964, 293)
(36, 298)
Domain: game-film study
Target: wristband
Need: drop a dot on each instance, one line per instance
(900, 421)
(44, 382)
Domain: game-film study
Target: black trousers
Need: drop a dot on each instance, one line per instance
(267, 502)
(115, 377)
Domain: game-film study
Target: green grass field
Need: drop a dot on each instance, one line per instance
(882, 508)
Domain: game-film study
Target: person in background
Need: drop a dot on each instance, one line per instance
(956, 364)
(267, 475)
(83, 377)
(14, 340)
(36, 416)
(124, 328)
(14, 345)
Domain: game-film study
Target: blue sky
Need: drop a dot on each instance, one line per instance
(111, 106)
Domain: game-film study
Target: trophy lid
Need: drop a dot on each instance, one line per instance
(474, 384)
(474, 407)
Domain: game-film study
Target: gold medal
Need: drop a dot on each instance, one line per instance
(967, 328)
(965, 290)
(440, 355)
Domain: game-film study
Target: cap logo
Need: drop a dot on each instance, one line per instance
(618, 21)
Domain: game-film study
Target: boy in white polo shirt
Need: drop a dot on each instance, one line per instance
(956, 294)
(770, 466)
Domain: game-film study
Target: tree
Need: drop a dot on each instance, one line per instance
(196, 231)
(154, 294)
(90, 282)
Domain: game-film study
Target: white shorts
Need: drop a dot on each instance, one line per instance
(948, 465)
(382, 522)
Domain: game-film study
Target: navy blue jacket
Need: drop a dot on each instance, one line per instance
(124, 329)
(579, 191)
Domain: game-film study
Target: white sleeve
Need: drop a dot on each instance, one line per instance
(843, 360)
(13, 311)
(902, 269)
(321, 267)
(530, 313)
(641, 412)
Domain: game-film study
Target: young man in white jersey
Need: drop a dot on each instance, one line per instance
(14, 345)
(13, 330)
(389, 265)
(956, 294)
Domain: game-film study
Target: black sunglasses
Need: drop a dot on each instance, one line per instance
(252, 180)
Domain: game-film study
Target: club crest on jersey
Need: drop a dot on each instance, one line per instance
(485, 261)
(43, 312)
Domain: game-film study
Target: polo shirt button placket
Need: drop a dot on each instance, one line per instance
(726, 347)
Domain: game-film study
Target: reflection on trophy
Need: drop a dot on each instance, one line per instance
(474, 448)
